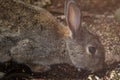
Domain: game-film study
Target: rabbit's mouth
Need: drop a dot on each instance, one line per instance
(92, 66)
(97, 66)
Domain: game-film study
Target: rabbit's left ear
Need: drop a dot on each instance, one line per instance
(73, 16)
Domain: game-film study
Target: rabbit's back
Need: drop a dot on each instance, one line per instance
(36, 34)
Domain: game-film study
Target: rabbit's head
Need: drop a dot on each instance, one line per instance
(85, 49)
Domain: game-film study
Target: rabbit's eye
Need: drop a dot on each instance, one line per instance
(92, 49)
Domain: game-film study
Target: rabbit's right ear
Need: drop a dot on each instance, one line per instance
(73, 16)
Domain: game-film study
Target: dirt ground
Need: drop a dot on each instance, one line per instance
(99, 6)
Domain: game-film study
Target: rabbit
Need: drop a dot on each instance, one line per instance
(39, 40)
(106, 26)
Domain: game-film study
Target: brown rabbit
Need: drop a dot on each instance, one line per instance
(34, 37)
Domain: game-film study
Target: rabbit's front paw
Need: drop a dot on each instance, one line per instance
(39, 68)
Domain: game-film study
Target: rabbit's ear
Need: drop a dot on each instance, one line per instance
(73, 15)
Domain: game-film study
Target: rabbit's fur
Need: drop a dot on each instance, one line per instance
(32, 36)
(108, 29)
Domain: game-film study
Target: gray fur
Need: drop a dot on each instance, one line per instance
(35, 39)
